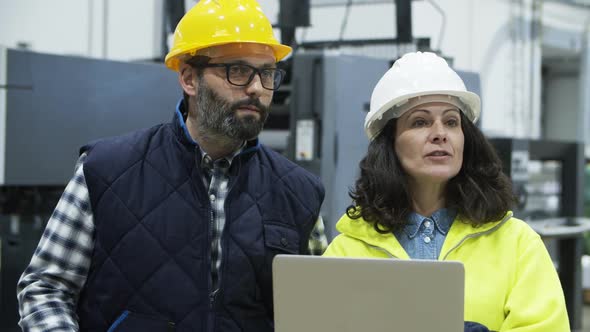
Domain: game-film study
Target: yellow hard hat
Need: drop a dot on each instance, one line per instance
(218, 22)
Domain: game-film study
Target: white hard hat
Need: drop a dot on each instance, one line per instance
(418, 74)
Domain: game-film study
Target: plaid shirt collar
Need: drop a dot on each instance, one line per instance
(224, 163)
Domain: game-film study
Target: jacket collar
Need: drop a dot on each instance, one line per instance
(363, 231)
(459, 231)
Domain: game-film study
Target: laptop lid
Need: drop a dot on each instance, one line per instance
(326, 294)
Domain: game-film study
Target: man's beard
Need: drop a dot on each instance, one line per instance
(218, 117)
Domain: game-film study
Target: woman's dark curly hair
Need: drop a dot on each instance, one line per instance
(480, 192)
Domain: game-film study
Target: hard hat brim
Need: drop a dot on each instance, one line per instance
(172, 60)
(377, 122)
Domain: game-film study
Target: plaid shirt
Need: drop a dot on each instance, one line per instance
(318, 242)
(217, 182)
(49, 288)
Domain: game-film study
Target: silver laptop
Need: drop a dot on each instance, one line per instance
(328, 294)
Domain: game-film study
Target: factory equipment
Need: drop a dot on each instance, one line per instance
(329, 100)
(51, 105)
(551, 200)
(330, 97)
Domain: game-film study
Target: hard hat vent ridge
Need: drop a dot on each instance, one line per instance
(417, 74)
(212, 23)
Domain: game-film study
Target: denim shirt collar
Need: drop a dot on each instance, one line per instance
(443, 218)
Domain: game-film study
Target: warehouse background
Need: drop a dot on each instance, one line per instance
(528, 59)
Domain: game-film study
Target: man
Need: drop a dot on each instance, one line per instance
(174, 227)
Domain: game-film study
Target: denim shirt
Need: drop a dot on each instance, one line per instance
(423, 237)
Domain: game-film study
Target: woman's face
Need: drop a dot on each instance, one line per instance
(429, 142)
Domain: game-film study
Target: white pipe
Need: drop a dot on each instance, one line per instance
(585, 85)
(3, 89)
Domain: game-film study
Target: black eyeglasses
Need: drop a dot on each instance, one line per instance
(242, 74)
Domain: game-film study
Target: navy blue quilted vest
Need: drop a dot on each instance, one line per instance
(150, 266)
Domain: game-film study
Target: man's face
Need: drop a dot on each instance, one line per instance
(237, 112)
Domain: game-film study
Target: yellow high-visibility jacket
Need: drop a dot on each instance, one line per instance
(510, 281)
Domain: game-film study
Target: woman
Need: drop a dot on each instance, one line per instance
(431, 187)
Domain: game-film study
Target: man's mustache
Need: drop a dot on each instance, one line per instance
(251, 101)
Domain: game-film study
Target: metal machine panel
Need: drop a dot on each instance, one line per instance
(349, 83)
(333, 91)
(566, 228)
(471, 80)
(55, 104)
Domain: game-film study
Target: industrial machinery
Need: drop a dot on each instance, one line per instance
(551, 200)
(329, 100)
(51, 105)
(330, 97)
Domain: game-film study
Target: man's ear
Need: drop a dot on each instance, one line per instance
(187, 79)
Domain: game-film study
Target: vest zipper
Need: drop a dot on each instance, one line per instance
(215, 287)
(212, 298)
(212, 291)
(171, 326)
(231, 183)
